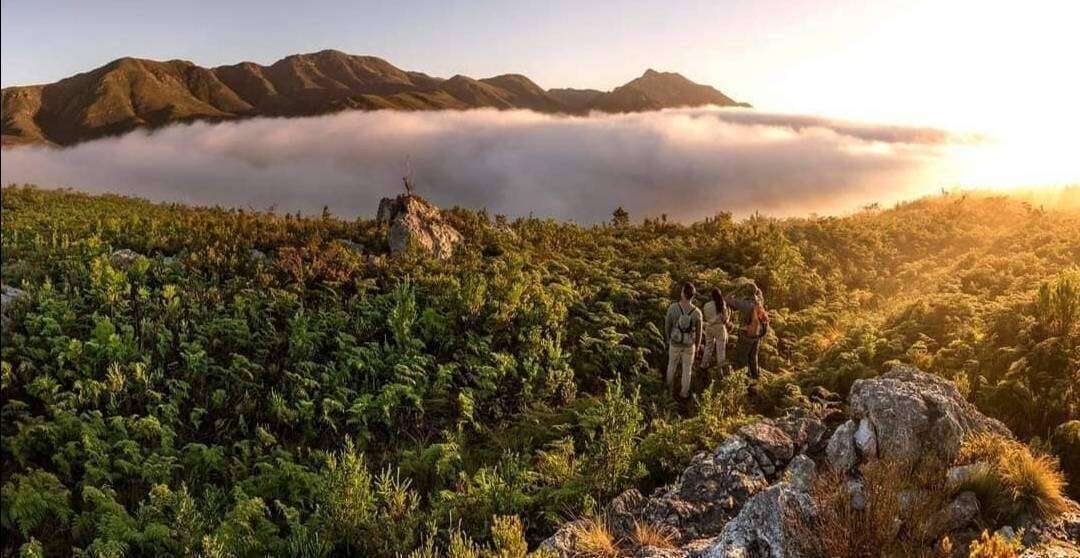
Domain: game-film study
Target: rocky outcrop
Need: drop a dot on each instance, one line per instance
(10, 299)
(716, 485)
(753, 496)
(906, 413)
(412, 221)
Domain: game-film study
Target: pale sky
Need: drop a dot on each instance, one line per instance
(1000, 67)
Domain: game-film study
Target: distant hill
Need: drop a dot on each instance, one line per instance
(130, 93)
(656, 90)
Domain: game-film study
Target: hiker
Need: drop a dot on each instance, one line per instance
(717, 317)
(682, 327)
(755, 323)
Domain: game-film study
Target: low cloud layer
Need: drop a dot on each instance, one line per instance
(686, 163)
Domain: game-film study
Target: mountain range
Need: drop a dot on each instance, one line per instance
(131, 93)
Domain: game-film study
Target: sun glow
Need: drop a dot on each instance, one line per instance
(999, 70)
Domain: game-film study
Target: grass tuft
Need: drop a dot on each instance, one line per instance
(658, 536)
(594, 539)
(1013, 480)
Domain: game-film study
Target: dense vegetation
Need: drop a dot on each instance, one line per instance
(253, 385)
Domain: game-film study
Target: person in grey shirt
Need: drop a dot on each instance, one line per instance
(683, 331)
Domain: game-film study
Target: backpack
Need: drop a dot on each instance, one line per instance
(684, 327)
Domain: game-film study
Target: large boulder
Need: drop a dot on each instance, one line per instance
(905, 413)
(412, 221)
(10, 299)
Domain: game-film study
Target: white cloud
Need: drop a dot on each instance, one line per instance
(687, 163)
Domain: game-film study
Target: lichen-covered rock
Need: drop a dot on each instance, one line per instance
(710, 491)
(657, 552)
(1052, 538)
(766, 525)
(624, 510)
(717, 484)
(563, 541)
(841, 448)
(124, 258)
(800, 473)
(10, 299)
(1052, 549)
(912, 412)
(412, 221)
(963, 510)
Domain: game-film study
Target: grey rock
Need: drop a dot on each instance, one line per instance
(10, 299)
(957, 476)
(801, 472)
(912, 412)
(806, 428)
(841, 448)
(620, 514)
(657, 552)
(715, 485)
(751, 497)
(857, 491)
(623, 510)
(563, 541)
(412, 221)
(766, 526)
(123, 258)
(957, 514)
(776, 445)
(697, 548)
(710, 491)
(351, 246)
(1054, 537)
(865, 440)
(1053, 549)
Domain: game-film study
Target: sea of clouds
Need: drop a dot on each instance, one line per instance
(685, 163)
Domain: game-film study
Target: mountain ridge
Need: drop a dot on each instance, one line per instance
(130, 93)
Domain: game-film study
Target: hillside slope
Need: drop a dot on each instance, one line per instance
(181, 381)
(131, 93)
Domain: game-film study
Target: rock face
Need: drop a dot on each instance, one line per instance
(412, 221)
(716, 485)
(10, 297)
(752, 497)
(764, 526)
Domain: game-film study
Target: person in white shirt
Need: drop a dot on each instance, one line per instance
(717, 317)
